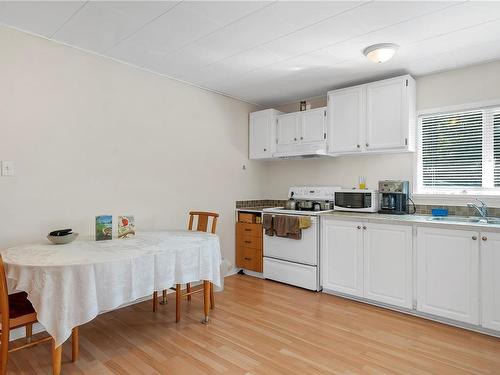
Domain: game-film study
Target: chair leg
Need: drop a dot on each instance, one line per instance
(56, 358)
(75, 344)
(212, 298)
(5, 349)
(29, 332)
(164, 297)
(155, 300)
(188, 289)
(177, 302)
(206, 300)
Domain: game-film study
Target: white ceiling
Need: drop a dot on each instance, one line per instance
(270, 52)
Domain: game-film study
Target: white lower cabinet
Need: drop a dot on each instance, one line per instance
(490, 280)
(456, 271)
(388, 264)
(448, 273)
(342, 256)
(368, 260)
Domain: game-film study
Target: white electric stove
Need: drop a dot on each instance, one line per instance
(296, 262)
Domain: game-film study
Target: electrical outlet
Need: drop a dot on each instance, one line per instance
(7, 168)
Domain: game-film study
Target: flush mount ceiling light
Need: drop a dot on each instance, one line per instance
(379, 53)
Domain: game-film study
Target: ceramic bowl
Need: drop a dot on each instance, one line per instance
(61, 240)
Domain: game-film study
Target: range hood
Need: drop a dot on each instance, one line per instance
(304, 152)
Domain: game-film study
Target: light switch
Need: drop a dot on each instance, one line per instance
(7, 168)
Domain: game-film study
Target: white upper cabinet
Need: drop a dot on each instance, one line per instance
(342, 256)
(301, 133)
(388, 264)
(490, 285)
(448, 273)
(287, 131)
(262, 134)
(346, 115)
(374, 117)
(312, 127)
(388, 114)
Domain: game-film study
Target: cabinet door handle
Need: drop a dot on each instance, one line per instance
(358, 146)
(301, 138)
(367, 144)
(474, 238)
(247, 258)
(295, 139)
(359, 227)
(484, 238)
(265, 150)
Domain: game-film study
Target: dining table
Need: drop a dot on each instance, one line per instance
(69, 285)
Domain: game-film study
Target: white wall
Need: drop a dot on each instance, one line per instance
(92, 136)
(467, 85)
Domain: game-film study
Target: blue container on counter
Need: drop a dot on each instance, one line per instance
(439, 212)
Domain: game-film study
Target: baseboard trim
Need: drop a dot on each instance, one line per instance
(450, 322)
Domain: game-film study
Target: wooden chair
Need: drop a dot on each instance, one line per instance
(17, 311)
(201, 225)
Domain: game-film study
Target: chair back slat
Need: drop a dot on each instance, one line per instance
(4, 297)
(202, 221)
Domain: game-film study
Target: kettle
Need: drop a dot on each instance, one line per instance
(291, 204)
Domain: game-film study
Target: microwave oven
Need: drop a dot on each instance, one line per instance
(356, 200)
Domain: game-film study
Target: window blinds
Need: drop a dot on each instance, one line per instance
(452, 151)
(496, 148)
(460, 150)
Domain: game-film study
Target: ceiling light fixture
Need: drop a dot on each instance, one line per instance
(379, 53)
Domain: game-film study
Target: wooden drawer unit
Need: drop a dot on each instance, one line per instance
(249, 246)
(243, 240)
(249, 259)
(247, 229)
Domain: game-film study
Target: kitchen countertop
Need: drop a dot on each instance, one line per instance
(252, 209)
(421, 220)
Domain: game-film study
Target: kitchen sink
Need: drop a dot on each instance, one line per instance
(472, 220)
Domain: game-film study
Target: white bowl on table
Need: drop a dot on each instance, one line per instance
(61, 240)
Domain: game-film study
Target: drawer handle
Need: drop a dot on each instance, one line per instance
(484, 238)
(247, 258)
(248, 241)
(247, 230)
(474, 238)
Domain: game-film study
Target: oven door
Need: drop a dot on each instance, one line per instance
(304, 251)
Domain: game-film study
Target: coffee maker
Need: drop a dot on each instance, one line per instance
(394, 196)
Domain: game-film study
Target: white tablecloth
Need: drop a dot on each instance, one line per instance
(69, 285)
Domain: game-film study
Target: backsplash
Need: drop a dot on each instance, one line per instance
(422, 209)
(260, 203)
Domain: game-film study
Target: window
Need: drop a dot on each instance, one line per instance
(460, 152)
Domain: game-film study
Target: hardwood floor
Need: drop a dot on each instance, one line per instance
(262, 327)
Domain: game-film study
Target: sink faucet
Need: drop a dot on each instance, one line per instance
(483, 210)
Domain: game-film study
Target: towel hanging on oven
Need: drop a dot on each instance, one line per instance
(267, 224)
(290, 226)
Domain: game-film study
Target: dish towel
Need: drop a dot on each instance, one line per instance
(267, 224)
(304, 222)
(287, 227)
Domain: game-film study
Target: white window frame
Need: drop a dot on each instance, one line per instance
(458, 195)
